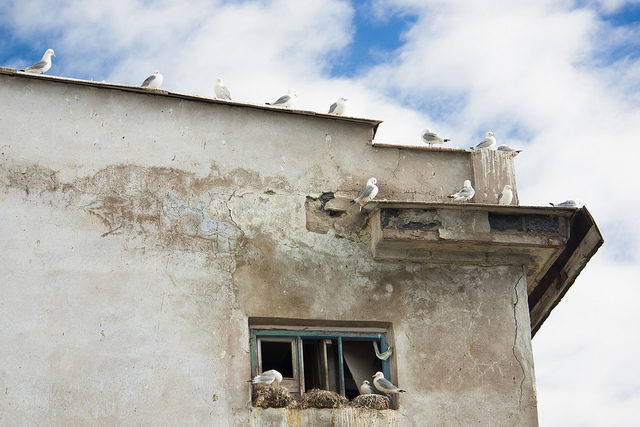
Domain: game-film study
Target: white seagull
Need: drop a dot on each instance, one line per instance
(221, 90)
(506, 196)
(432, 138)
(465, 193)
(153, 81)
(506, 149)
(365, 388)
(488, 142)
(566, 204)
(338, 107)
(370, 191)
(384, 385)
(285, 100)
(43, 65)
(268, 377)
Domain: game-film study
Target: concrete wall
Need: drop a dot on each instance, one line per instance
(140, 232)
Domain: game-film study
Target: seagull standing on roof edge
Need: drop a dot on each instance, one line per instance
(487, 143)
(365, 388)
(384, 385)
(338, 107)
(566, 204)
(153, 81)
(506, 196)
(465, 193)
(43, 65)
(432, 138)
(221, 90)
(370, 191)
(285, 100)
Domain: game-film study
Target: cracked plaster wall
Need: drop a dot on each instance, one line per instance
(140, 232)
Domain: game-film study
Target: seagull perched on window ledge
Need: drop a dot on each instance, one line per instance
(365, 388)
(43, 65)
(385, 385)
(268, 377)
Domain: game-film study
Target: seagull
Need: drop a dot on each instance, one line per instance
(268, 377)
(488, 142)
(466, 192)
(43, 65)
(384, 385)
(368, 194)
(506, 196)
(338, 107)
(365, 388)
(506, 149)
(432, 138)
(285, 100)
(153, 81)
(566, 204)
(221, 90)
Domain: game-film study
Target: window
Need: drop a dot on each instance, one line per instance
(330, 359)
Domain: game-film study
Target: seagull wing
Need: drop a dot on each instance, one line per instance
(366, 193)
(484, 143)
(37, 66)
(333, 107)
(148, 80)
(283, 99)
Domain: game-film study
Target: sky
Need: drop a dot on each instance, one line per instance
(558, 79)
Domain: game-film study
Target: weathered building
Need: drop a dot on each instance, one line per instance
(160, 249)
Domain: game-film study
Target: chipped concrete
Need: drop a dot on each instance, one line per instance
(140, 233)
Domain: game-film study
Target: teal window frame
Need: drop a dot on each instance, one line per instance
(300, 334)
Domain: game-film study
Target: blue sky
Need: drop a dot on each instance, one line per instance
(559, 79)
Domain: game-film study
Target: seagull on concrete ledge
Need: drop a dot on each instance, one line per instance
(370, 191)
(506, 149)
(268, 377)
(506, 196)
(365, 388)
(338, 107)
(487, 143)
(221, 90)
(43, 65)
(465, 193)
(384, 385)
(153, 81)
(285, 100)
(432, 138)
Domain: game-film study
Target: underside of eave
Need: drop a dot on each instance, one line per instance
(584, 241)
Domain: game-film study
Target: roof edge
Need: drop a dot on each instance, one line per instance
(374, 123)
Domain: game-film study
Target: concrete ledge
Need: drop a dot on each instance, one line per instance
(326, 417)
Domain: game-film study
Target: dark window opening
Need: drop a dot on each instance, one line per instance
(277, 355)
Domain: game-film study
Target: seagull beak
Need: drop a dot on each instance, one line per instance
(53, 54)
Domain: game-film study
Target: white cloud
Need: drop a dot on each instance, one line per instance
(537, 73)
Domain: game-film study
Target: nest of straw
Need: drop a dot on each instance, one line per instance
(316, 398)
(265, 396)
(370, 401)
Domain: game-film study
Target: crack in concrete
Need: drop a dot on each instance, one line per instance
(515, 338)
(226, 203)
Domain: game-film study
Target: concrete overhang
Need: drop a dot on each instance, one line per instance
(159, 92)
(553, 244)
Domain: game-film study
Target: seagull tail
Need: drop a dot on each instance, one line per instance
(446, 140)
(552, 204)
(518, 151)
(267, 103)
(401, 390)
(451, 197)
